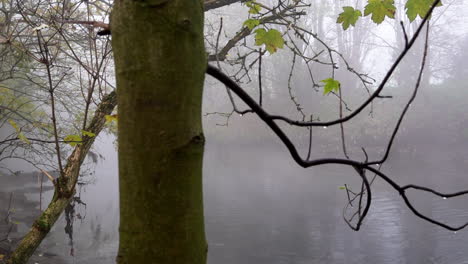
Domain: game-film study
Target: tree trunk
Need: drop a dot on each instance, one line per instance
(160, 65)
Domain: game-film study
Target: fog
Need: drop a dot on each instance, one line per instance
(260, 206)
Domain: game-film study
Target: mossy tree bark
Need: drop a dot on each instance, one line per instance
(160, 64)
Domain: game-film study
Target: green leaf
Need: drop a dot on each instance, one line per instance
(272, 39)
(379, 9)
(254, 7)
(418, 7)
(73, 140)
(342, 188)
(330, 85)
(88, 134)
(348, 17)
(251, 23)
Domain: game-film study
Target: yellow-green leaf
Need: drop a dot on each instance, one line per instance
(21, 135)
(254, 8)
(251, 23)
(14, 125)
(87, 133)
(73, 140)
(23, 138)
(110, 118)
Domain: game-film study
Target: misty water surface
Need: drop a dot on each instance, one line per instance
(262, 208)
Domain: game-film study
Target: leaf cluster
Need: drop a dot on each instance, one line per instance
(254, 8)
(378, 10)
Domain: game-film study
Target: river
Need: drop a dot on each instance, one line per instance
(260, 207)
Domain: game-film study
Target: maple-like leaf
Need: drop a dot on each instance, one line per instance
(379, 9)
(330, 85)
(418, 7)
(271, 38)
(348, 17)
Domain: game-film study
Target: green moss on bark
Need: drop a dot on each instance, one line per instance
(42, 224)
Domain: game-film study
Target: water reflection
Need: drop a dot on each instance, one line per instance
(91, 234)
(260, 207)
